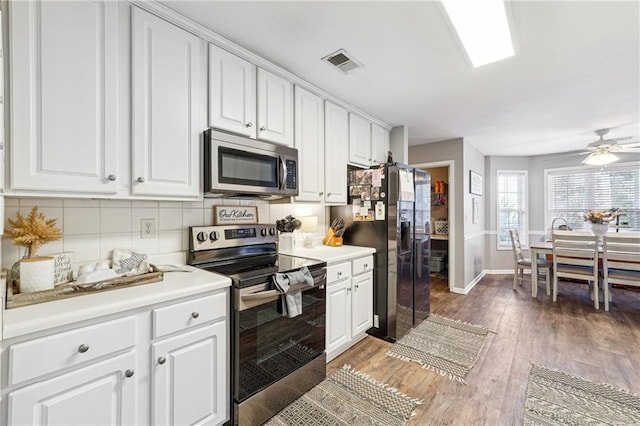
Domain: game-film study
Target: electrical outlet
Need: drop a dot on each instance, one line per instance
(376, 321)
(147, 228)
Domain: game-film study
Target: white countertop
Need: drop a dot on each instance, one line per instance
(175, 285)
(331, 254)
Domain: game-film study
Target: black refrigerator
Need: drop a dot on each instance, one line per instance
(389, 208)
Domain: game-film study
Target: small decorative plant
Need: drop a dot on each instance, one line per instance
(32, 231)
(600, 216)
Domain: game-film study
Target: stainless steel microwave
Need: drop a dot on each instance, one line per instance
(236, 166)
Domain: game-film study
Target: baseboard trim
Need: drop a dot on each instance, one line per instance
(469, 286)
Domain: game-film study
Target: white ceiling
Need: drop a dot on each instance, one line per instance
(577, 66)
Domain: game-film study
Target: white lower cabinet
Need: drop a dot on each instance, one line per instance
(101, 394)
(195, 364)
(162, 365)
(349, 304)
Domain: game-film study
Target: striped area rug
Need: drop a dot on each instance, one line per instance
(557, 398)
(348, 397)
(449, 347)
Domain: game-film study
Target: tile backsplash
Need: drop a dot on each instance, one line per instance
(93, 228)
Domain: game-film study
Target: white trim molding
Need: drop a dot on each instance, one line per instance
(469, 286)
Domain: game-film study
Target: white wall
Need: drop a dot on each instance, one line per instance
(474, 233)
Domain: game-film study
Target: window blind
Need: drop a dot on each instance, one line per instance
(571, 192)
(512, 207)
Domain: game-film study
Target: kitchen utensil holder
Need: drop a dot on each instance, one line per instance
(330, 239)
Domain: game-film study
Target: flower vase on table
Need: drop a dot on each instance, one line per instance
(599, 229)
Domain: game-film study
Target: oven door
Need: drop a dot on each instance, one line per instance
(267, 345)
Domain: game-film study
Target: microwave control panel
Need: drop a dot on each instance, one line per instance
(291, 174)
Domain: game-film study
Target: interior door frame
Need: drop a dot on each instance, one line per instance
(450, 209)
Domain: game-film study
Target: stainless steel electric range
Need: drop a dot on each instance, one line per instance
(274, 358)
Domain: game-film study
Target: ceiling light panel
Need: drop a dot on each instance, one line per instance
(483, 29)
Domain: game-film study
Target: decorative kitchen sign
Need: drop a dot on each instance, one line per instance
(230, 215)
(475, 183)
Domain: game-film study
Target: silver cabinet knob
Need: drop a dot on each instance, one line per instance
(249, 124)
(339, 273)
(263, 128)
(357, 286)
(162, 360)
(140, 179)
(366, 265)
(111, 177)
(328, 194)
(129, 373)
(348, 288)
(83, 348)
(195, 315)
(320, 193)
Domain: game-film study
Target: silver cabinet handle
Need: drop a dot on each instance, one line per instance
(366, 265)
(129, 373)
(111, 177)
(249, 124)
(140, 179)
(348, 288)
(195, 315)
(321, 193)
(263, 128)
(328, 194)
(339, 273)
(83, 348)
(162, 360)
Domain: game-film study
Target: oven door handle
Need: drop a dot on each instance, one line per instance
(248, 300)
(260, 295)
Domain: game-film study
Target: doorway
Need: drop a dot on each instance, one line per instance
(442, 258)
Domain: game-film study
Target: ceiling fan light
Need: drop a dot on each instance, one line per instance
(600, 159)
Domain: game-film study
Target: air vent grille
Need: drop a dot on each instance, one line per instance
(342, 61)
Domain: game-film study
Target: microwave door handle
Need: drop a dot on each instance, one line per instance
(283, 174)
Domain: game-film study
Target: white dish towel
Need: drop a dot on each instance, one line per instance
(291, 301)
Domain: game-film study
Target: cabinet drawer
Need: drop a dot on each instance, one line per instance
(187, 314)
(363, 264)
(338, 272)
(48, 354)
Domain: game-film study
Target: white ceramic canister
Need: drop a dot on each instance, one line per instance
(36, 274)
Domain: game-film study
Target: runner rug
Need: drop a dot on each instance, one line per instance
(348, 397)
(557, 398)
(449, 347)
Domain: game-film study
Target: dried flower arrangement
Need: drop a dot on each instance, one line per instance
(32, 231)
(600, 216)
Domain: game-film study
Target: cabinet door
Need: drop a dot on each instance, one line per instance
(338, 315)
(359, 140)
(190, 383)
(379, 144)
(232, 92)
(309, 139)
(64, 94)
(167, 103)
(336, 138)
(100, 394)
(275, 108)
(362, 306)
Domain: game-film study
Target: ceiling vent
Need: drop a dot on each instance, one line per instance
(343, 61)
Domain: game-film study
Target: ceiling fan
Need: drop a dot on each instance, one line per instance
(601, 151)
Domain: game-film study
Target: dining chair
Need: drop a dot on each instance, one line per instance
(520, 263)
(620, 262)
(575, 255)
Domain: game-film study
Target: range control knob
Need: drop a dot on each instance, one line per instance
(213, 236)
(272, 231)
(263, 232)
(202, 237)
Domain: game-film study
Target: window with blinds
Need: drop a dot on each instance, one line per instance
(571, 192)
(512, 207)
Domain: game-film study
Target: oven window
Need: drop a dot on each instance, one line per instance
(269, 346)
(246, 168)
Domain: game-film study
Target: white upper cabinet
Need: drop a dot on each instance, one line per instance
(309, 140)
(336, 138)
(232, 92)
(63, 90)
(379, 144)
(359, 140)
(275, 108)
(167, 120)
(248, 100)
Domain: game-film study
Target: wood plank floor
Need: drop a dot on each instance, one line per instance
(569, 335)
